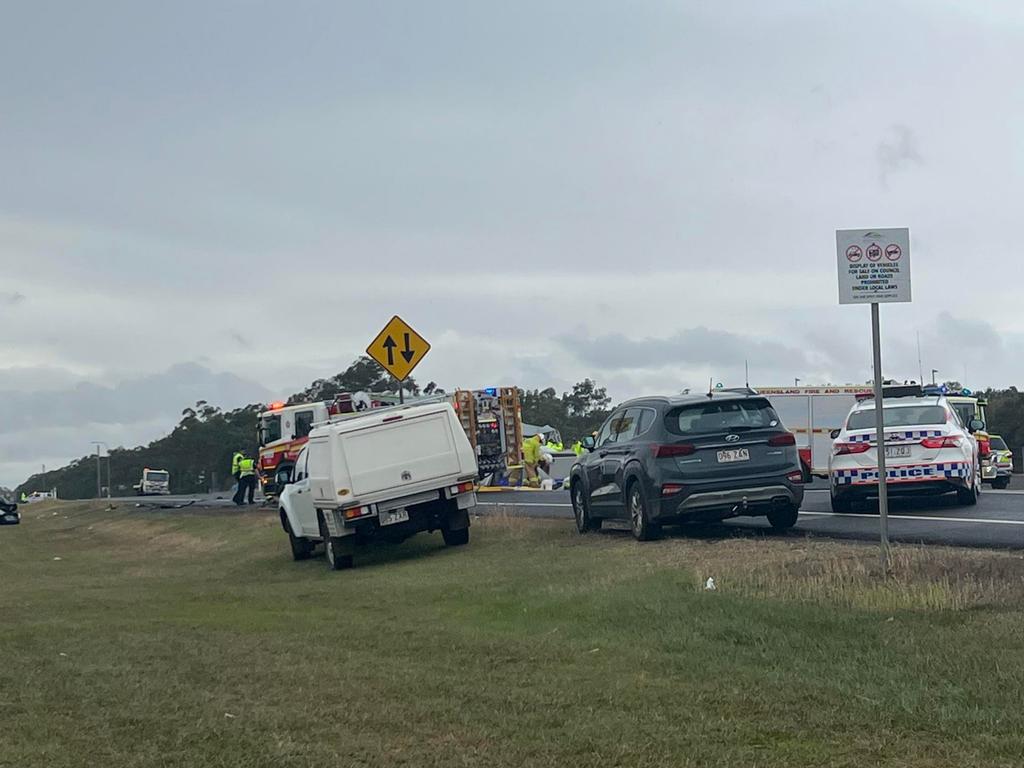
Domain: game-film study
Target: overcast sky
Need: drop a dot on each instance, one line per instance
(229, 199)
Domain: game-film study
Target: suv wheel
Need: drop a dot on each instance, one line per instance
(581, 510)
(784, 518)
(639, 522)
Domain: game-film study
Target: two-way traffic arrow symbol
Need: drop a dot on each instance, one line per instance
(389, 345)
(407, 353)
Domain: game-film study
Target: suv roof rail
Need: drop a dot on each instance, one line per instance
(733, 391)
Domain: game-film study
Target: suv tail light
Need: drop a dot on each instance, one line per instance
(669, 451)
(668, 489)
(786, 438)
(795, 477)
(951, 441)
(843, 449)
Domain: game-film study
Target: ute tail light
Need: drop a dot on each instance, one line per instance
(786, 438)
(670, 451)
(795, 477)
(951, 441)
(845, 449)
(355, 512)
(670, 489)
(455, 490)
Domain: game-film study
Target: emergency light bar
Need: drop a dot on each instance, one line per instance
(903, 390)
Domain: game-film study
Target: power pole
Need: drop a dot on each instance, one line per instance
(99, 479)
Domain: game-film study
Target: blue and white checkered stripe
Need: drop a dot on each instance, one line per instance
(890, 437)
(948, 470)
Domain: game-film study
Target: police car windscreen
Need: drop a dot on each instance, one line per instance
(899, 416)
(998, 444)
(729, 416)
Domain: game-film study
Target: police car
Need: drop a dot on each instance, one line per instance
(928, 450)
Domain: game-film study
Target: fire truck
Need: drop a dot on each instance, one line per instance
(283, 430)
(492, 420)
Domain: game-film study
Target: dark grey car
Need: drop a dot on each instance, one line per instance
(659, 460)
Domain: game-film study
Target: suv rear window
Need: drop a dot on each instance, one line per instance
(729, 416)
(899, 416)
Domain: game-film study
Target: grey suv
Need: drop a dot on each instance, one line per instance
(660, 460)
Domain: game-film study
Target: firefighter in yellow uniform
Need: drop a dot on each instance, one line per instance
(246, 480)
(532, 457)
(234, 464)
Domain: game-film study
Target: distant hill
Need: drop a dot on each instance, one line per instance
(197, 452)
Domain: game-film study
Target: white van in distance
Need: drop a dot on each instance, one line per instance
(383, 474)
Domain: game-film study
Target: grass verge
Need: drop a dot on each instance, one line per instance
(189, 638)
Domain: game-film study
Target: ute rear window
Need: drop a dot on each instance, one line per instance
(729, 416)
(899, 416)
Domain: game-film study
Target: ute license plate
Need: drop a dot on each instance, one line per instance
(897, 451)
(393, 516)
(735, 454)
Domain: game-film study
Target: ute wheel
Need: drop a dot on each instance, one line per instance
(455, 538)
(842, 505)
(302, 548)
(784, 518)
(581, 509)
(639, 520)
(334, 549)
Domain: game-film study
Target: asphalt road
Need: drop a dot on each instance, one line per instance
(997, 520)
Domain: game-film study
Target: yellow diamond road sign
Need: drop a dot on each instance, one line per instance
(398, 348)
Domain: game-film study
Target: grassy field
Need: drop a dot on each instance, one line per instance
(179, 638)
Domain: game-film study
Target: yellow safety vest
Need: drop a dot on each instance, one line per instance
(246, 467)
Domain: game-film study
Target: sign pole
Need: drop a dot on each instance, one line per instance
(883, 490)
(401, 392)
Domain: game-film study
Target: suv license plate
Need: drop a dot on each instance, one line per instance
(897, 451)
(736, 454)
(393, 516)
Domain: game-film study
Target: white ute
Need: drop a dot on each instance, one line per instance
(385, 474)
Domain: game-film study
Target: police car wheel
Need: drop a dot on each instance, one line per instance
(967, 497)
(842, 505)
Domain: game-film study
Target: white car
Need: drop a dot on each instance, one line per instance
(928, 450)
(385, 474)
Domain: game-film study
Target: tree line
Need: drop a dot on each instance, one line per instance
(197, 452)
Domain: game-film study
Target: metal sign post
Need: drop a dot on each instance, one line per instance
(883, 489)
(874, 268)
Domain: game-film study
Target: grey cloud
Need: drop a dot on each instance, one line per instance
(693, 347)
(240, 340)
(11, 298)
(898, 153)
(128, 402)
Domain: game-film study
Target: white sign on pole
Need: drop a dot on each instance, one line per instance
(874, 265)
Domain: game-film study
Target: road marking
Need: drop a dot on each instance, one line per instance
(911, 518)
(920, 517)
(523, 504)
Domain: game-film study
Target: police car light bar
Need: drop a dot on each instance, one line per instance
(903, 390)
